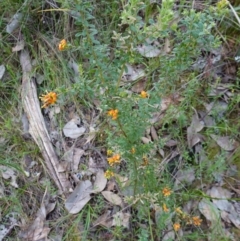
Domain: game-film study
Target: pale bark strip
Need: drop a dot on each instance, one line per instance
(37, 126)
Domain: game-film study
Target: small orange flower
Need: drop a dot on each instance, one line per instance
(176, 226)
(165, 209)
(113, 114)
(144, 94)
(114, 159)
(48, 99)
(166, 192)
(108, 174)
(62, 45)
(196, 220)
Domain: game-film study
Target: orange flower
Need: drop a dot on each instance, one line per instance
(114, 159)
(196, 220)
(165, 209)
(144, 94)
(166, 192)
(113, 114)
(62, 45)
(108, 174)
(48, 99)
(176, 226)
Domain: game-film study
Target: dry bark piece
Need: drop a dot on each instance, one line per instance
(37, 127)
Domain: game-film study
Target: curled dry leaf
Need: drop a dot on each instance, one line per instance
(100, 182)
(112, 198)
(72, 130)
(79, 197)
(225, 142)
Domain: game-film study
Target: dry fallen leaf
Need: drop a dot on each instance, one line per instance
(183, 177)
(100, 182)
(79, 197)
(209, 211)
(224, 142)
(221, 193)
(72, 130)
(112, 198)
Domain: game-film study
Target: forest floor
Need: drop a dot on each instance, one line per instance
(119, 120)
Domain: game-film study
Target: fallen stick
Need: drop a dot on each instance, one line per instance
(37, 127)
